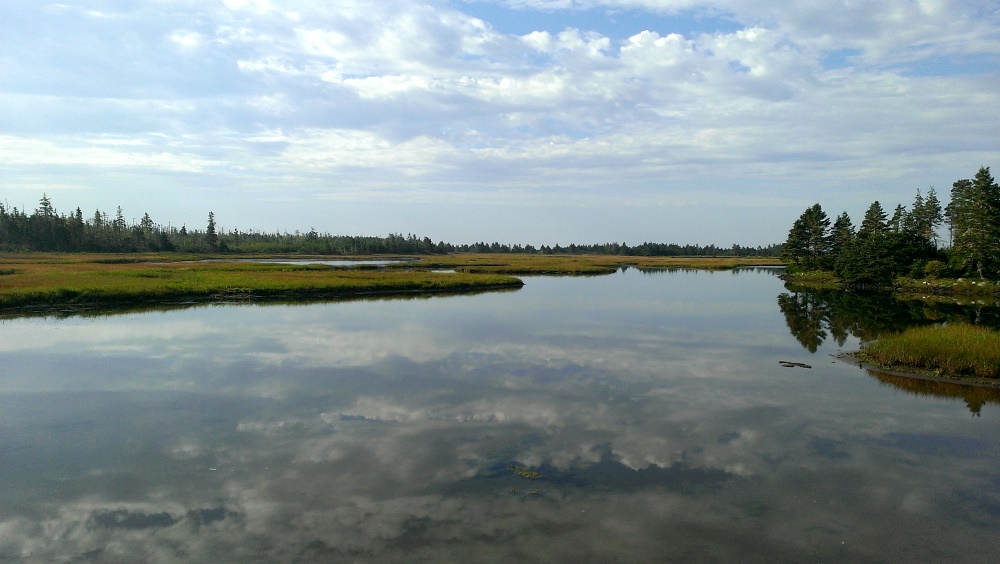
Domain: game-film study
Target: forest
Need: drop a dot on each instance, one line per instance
(45, 229)
(907, 243)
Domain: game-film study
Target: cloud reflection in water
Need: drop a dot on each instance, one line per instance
(391, 431)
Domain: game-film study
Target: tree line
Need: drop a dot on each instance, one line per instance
(45, 229)
(906, 243)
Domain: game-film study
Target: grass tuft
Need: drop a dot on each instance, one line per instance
(948, 350)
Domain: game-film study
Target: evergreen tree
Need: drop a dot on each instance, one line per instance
(841, 237)
(45, 209)
(925, 216)
(868, 260)
(119, 224)
(931, 215)
(899, 220)
(808, 240)
(146, 225)
(874, 225)
(43, 226)
(211, 237)
(974, 214)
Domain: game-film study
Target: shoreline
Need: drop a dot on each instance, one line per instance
(915, 373)
(904, 288)
(248, 297)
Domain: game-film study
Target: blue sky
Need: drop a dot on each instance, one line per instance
(520, 121)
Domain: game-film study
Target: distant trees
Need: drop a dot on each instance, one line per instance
(47, 230)
(905, 243)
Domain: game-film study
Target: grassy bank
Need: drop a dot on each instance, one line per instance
(949, 289)
(946, 350)
(56, 280)
(59, 280)
(582, 264)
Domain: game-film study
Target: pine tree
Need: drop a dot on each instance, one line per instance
(119, 224)
(925, 216)
(900, 218)
(932, 215)
(146, 224)
(45, 208)
(211, 237)
(868, 260)
(874, 225)
(841, 237)
(974, 214)
(808, 240)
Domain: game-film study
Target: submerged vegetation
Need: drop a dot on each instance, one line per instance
(947, 350)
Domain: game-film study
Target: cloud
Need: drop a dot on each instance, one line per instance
(437, 103)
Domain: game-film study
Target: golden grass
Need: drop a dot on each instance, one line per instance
(98, 279)
(582, 264)
(52, 279)
(948, 350)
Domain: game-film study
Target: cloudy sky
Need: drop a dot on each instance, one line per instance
(520, 121)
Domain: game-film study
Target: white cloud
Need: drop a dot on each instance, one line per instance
(20, 151)
(436, 101)
(186, 39)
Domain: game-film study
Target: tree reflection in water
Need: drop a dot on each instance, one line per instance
(813, 316)
(975, 396)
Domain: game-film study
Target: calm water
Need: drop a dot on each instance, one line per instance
(627, 418)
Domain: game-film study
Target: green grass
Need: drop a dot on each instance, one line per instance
(947, 350)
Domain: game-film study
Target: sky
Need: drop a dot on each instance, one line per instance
(518, 121)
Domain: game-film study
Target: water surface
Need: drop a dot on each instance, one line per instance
(631, 418)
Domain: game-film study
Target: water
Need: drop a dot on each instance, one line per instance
(631, 418)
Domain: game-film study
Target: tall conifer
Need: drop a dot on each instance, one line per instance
(974, 214)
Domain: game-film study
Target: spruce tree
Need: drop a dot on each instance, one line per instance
(925, 216)
(932, 215)
(808, 240)
(868, 260)
(974, 214)
(841, 236)
(211, 237)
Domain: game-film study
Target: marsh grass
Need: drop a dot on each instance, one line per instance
(75, 281)
(577, 265)
(54, 279)
(949, 350)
